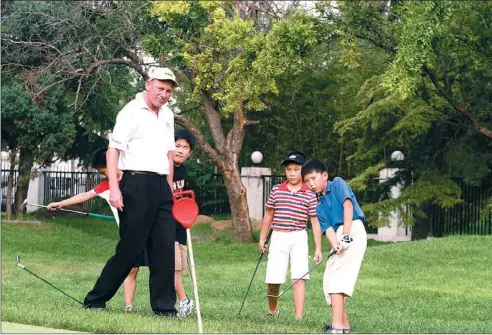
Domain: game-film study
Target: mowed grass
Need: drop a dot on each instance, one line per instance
(432, 286)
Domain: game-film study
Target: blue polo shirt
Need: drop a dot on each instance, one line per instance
(330, 208)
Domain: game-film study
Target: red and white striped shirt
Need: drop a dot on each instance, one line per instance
(102, 190)
(291, 208)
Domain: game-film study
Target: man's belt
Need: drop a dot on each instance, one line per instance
(143, 172)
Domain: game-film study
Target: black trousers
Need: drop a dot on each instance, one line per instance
(146, 217)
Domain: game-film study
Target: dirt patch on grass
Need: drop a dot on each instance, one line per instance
(203, 219)
(221, 224)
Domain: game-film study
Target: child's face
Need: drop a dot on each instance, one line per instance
(103, 171)
(182, 152)
(316, 181)
(293, 173)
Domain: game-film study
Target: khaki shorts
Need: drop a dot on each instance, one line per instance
(180, 257)
(287, 247)
(342, 270)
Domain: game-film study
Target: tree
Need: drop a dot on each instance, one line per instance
(45, 114)
(229, 65)
(228, 61)
(32, 132)
(432, 102)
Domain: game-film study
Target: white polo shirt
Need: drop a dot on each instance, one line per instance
(143, 137)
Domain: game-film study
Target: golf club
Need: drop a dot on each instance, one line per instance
(254, 273)
(47, 282)
(92, 215)
(314, 267)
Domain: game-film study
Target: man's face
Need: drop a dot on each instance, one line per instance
(293, 173)
(316, 181)
(182, 152)
(159, 91)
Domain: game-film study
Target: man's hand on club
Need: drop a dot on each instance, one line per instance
(263, 247)
(115, 198)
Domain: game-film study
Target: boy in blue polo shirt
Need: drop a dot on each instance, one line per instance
(342, 220)
(287, 210)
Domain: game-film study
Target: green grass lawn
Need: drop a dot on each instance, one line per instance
(433, 286)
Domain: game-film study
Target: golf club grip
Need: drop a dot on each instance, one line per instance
(100, 216)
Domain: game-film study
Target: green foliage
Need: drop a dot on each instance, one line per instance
(429, 100)
(44, 43)
(43, 131)
(229, 58)
(422, 23)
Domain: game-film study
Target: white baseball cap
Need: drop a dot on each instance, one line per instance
(162, 73)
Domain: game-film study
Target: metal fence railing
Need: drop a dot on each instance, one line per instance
(4, 184)
(463, 218)
(60, 185)
(212, 197)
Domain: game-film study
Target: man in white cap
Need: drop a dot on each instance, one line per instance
(141, 146)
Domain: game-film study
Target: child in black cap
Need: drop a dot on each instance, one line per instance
(287, 210)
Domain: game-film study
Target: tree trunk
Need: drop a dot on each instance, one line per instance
(26, 161)
(10, 184)
(239, 205)
(421, 229)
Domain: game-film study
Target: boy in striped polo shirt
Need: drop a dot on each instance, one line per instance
(287, 210)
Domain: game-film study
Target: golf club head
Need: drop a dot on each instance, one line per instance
(18, 262)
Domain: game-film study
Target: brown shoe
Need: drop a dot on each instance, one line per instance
(274, 314)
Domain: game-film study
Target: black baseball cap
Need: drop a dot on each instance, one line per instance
(294, 157)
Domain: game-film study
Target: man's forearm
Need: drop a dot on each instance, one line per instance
(112, 156)
(170, 175)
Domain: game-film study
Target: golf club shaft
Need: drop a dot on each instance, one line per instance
(311, 270)
(47, 282)
(195, 285)
(99, 216)
(60, 209)
(256, 269)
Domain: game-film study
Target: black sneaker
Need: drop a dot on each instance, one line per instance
(94, 308)
(167, 314)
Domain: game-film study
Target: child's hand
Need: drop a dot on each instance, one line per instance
(337, 248)
(263, 246)
(345, 242)
(54, 205)
(318, 256)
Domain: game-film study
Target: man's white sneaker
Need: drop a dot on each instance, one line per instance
(185, 307)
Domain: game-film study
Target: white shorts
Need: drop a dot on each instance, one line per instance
(342, 270)
(291, 245)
